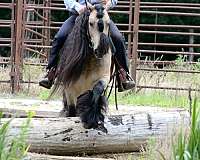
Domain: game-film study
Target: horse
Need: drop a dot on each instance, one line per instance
(84, 68)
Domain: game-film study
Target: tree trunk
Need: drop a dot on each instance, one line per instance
(126, 133)
(33, 156)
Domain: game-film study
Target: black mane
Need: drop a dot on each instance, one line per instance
(74, 53)
(76, 50)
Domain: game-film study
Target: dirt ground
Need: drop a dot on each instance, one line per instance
(54, 107)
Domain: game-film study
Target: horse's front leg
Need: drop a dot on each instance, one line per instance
(69, 109)
(91, 105)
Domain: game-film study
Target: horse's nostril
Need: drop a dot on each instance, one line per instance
(97, 54)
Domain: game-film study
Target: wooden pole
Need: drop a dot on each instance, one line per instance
(135, 38)
(16, 72)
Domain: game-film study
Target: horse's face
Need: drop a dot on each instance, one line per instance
(98, 29)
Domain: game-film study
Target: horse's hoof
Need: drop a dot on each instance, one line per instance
(102, 128)
(63, 113)
(87, 126)
(99, 127)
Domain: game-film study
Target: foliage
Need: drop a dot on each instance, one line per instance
(188, 148)
(15, 148)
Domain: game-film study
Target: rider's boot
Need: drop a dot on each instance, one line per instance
(48, 80)
(125, 82)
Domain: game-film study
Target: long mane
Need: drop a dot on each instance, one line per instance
(74, 53)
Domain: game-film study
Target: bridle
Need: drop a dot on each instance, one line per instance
(99, 16)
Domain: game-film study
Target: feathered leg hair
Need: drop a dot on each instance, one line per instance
(91, 106)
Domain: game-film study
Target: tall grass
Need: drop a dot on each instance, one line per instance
(17, 147)
(188, 147)
(152, 98)
(181, 144)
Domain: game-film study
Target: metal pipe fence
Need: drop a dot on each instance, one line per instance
(32, 26)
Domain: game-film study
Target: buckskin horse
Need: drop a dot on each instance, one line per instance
(84, 68)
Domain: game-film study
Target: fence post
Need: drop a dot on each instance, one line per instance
(46, 22)
(130, 28)
(17, 56)
(135, 39)
(12, 47)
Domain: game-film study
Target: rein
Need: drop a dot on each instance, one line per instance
(113, 76)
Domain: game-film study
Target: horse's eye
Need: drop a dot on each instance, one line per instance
(91, 24)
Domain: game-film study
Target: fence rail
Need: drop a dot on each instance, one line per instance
(31, 26)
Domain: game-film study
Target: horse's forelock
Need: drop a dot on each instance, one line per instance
(99, 8)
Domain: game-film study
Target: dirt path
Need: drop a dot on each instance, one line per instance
(53, 107)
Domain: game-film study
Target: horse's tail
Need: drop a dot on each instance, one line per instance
(91, 107)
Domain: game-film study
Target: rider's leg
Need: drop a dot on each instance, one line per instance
(121, 57)
(57, 44)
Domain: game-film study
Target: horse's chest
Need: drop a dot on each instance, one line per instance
(98, 68)
(93, 72)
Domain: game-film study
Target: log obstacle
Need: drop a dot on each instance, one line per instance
(34, 156)
(126, 133)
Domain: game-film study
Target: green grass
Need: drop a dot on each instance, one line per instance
(44, 94)
(152, 98)
(188, 147)
(17, 147)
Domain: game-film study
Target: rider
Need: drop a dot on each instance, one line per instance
(77, 8)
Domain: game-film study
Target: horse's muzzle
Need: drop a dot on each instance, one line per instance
(98, 54)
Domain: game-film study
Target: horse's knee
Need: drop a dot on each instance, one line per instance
(98, 88)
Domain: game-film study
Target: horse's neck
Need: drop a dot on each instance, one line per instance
(93, 71)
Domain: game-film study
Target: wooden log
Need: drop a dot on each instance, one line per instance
(19, 108)
(126, 133)
(34, 156)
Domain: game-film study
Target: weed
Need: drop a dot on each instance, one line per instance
(17, 147)
(188, 147)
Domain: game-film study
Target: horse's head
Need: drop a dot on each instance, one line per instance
(98, 30)
(89, 36)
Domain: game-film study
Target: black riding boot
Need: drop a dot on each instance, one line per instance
(48, 80)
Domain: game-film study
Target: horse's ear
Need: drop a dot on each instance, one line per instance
(90, 6)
